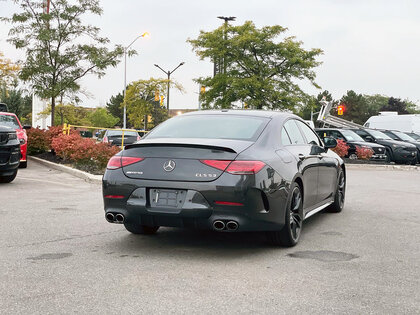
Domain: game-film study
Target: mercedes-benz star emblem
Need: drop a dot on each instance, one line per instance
(169, 166)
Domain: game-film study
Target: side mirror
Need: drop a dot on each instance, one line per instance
(330, 143)
(369, 139)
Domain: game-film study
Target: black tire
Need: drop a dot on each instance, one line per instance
(140, 229)
(8, 179)
(340, 194)
(23, 164)
(289, 235)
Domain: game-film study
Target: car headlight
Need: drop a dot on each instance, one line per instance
(22, 141)
(12, 136)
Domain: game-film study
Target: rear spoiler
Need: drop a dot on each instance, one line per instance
(198, 146)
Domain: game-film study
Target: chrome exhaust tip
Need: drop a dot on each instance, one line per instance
(109, 217)
(232, 225)
(218, 225)
(119, 218)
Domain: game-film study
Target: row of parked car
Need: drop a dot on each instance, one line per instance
(13, 145)
(387, 145)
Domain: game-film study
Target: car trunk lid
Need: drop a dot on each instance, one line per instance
(180, 159)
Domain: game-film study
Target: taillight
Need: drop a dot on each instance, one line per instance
(121, 161)
(219, 164)
(105, 139)
(236, 167)
(245, 167)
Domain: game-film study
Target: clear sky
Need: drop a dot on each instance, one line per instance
(370, 46)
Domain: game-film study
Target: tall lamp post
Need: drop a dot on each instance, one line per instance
(145, 34)
(168, 73)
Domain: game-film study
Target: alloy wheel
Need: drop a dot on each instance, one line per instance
(295, 213)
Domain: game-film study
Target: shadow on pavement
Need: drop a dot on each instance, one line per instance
(202, 243)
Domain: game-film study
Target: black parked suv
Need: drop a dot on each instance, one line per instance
(401, 136)
(353, 140)
(9, 154)
(396, 151)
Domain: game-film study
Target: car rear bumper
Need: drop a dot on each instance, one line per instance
(254, 209)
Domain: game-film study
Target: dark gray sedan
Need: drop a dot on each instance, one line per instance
(227, 171)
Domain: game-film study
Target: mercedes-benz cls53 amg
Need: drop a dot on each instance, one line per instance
(227, 171)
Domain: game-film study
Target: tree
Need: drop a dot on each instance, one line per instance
(8, 71)
(140, 101)
(60, 48)
(312, 104)
(257, 69)
(355, 107)
(69, 114)
(17, 102)
(397, 105)
(101, 118)
(114, 107)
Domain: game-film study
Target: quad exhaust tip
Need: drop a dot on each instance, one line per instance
(114, 218)
(220, 225)
(119, 218)
(109, 217)
(232, 225)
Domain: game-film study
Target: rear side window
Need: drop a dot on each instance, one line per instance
(311, 137)
(285, 140)
(294, 132)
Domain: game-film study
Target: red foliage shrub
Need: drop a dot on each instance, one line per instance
(364, 153)
(37, 141)
(342, 148)
(52, 132)
(65, 145)
(82, 151)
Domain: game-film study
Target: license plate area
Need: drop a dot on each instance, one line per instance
(166, 198)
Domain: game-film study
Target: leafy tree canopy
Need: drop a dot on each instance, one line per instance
(17, 102)
(397, 105)
(114, 107)
(8, 71)
(102, 118)
(140, 101)
(60, 48)
(258, 69)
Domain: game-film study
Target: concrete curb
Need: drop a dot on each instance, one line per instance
(97, 179)
(383, 167)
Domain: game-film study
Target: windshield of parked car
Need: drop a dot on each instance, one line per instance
(414, 136)
(379, 135)
(118, 133)
(351, 135)
(9, 121)
(403, 136)
(211, 127)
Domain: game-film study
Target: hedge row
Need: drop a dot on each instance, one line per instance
(84, 153)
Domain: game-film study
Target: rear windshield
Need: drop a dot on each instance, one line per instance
(9, 121)
(113, 133)
(211, 127)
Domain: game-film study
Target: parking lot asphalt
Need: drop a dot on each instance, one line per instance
(58, 255)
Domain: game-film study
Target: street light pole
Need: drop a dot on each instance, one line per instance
(168, 73)
(125, 76)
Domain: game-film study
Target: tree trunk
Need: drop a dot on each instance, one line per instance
(52, 111)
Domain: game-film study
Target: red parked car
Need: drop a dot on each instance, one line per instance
(11, 120)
